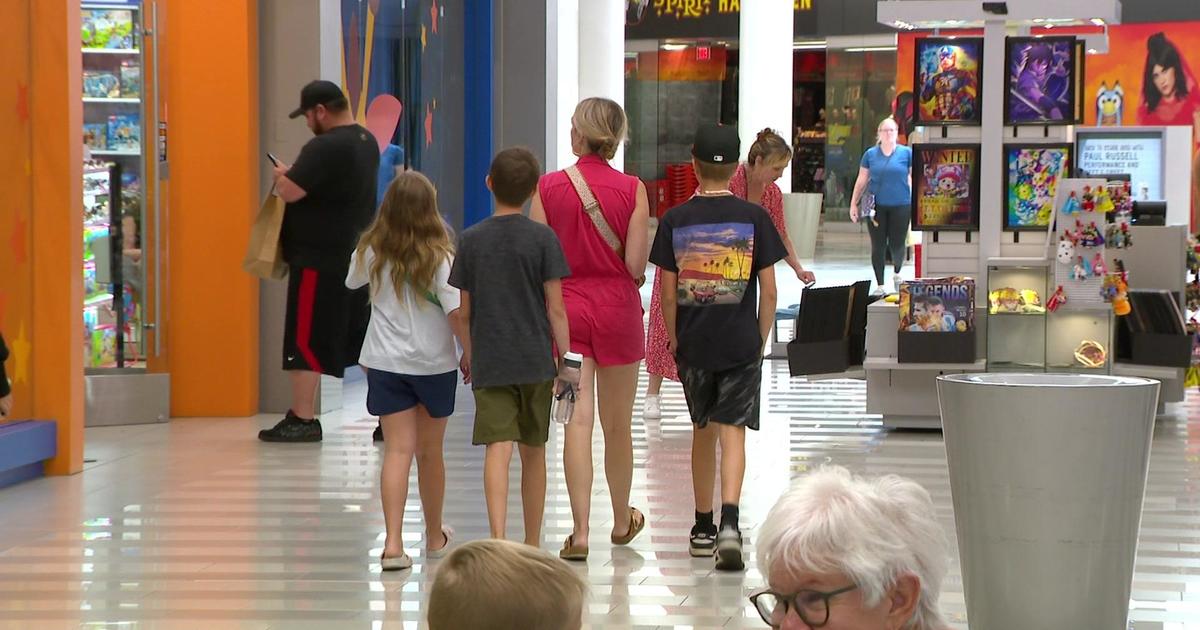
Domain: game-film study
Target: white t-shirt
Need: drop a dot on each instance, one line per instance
(410, 335)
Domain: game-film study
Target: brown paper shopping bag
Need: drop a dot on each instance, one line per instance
(264, 257)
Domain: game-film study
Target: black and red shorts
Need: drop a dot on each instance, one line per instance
(326, 322)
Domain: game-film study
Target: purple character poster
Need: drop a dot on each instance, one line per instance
(1041, 81)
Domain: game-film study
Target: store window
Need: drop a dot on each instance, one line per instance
(412, 51)
(859, 88)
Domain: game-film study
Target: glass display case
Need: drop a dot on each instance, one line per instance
(1016, 321)
(124, 179)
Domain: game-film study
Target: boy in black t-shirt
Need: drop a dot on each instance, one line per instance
(717, 255)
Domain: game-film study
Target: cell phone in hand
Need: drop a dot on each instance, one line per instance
(274, 160)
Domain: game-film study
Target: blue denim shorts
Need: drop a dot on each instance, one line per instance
(388, 393)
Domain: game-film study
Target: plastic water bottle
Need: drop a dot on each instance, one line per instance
(564, 394)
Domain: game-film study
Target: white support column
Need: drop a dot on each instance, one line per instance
(765, 87)
(602, 54)
(991, 171)
(562, 80)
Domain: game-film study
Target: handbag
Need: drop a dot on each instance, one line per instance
(866, 203)
(264, 253)
(591, 207)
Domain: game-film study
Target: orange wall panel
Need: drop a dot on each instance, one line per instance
(211, 69)
(56, 255)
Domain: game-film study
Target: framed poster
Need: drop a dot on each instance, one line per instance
(948, 74)
(1031, 176)
(945, 187)
(1043, 77)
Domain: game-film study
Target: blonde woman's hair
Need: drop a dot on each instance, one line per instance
(602, 124)
(771, 147)
(409, 234)
(500, 585)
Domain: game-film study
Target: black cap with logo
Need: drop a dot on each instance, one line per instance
(717, 144)
(318, 93)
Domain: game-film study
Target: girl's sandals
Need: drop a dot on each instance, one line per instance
(637, 522)
(572, 552)
(396, 563)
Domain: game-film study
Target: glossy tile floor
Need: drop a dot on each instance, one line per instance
(195, 524)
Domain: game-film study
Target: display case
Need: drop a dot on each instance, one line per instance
(1016, 321)
(124, 173)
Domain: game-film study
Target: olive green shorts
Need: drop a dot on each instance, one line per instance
(513, 413)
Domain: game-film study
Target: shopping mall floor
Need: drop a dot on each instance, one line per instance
(196, 524)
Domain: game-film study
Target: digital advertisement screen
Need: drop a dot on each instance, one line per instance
(1138, 154)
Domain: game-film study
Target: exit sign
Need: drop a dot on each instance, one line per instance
(703, 53)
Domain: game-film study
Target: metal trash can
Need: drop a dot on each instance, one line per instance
(1047, 476)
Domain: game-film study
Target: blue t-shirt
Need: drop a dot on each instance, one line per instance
(392, 158)
(889, 175)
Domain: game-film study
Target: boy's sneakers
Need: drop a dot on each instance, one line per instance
(729, 550)
(703, 541)
(653, 408)
(292, 429)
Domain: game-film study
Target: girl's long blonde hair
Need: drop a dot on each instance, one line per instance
(408, 233)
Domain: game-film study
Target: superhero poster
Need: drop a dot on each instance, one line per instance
(947, 80)
(945, 187)
(1042, 79)
(1031, 176)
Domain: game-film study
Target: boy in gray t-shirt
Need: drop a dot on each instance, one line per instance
(510, 272)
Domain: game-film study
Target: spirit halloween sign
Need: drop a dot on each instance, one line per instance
(665, 19)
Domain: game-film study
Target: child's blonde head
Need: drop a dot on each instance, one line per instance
(497, 584)
(409, 233)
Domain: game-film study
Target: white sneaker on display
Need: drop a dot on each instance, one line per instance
(653, 408)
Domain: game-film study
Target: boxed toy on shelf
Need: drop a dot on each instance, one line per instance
(108, 28)
(101, 84)
(95, 136)
(131, 79)
(124, 132)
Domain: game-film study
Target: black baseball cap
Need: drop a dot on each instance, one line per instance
(317, 93)
(717, 144)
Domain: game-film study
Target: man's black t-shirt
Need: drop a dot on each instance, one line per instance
(338, 170)
(717, 246)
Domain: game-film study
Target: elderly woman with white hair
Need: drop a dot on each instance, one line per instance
(846, 553)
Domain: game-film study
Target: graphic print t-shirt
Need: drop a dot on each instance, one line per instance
(717, 246)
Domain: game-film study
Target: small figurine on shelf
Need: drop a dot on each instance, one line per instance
(1117, 235)
(1089, 200)
(1104, 202)
(1058, 299)
(1120, 300)
(1081, 271)
(1071, 207)
(1098, 266)
(1089, 236)
(1066, 250)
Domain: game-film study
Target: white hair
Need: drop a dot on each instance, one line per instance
(873, 531)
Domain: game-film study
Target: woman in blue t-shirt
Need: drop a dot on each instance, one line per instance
(886, 173)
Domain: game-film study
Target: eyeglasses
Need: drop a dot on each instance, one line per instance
(811, 606)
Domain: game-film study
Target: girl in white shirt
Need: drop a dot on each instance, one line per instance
(410, 353)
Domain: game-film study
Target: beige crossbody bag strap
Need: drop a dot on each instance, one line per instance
(592, 208)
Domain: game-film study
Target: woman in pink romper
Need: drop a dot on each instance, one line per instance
(604, 309)
(753, 181)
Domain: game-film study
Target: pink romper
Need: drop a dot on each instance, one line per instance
(604, 307)
(659, 361)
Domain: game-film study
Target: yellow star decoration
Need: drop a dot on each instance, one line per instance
(423, 38)
(20, 351)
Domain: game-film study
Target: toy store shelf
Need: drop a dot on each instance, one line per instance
(99, 173)
(89, 99)
(1018, 263)
(98, 300)
(1042, 314)
(132, 152)
(1147, 371)
(888, 363)
(1084, 309)
(112, 51)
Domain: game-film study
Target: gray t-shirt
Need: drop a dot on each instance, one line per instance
(503, 263)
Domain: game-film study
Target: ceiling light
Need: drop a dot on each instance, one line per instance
(674, 46)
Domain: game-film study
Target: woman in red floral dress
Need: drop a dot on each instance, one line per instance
(753, 181)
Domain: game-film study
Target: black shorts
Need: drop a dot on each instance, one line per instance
(727, 397)
(326, 322)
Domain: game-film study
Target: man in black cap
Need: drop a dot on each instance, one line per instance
(330, 195)
(717, 254)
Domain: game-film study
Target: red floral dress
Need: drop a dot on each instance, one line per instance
(659, 361)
